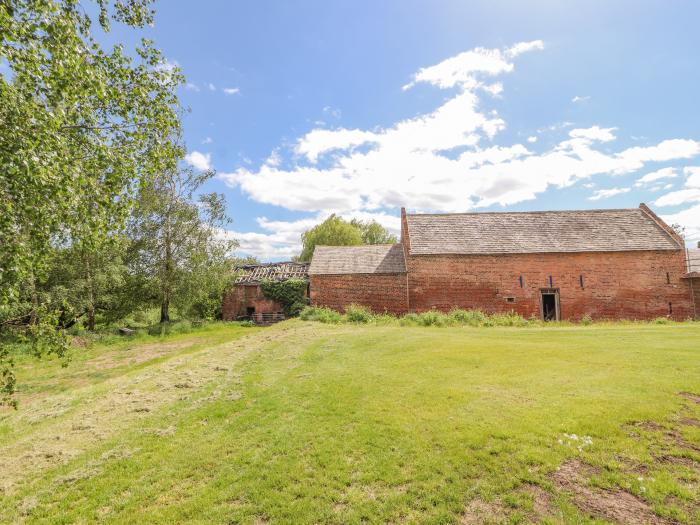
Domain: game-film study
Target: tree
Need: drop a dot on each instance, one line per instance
(335, 231)
(86, 281)
(374, 233)
(179, 254)
(81, 129)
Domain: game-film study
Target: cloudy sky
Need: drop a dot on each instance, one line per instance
(306, 108)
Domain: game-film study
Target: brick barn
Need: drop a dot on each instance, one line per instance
(245, 299)
(606, 264)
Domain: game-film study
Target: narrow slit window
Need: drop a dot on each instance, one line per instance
(551, 282)
(668, 278)
(670, 309)
(580, 278)
(520, 280)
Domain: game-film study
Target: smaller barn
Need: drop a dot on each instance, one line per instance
(246, 301)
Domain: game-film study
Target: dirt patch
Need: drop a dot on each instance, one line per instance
(614, 505)
(678, 439)
(541, 502)
(680, 460)
(689, 422)
(649, 426)
(480, 512)
(690, 396)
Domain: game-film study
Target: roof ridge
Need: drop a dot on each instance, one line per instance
(518, 212)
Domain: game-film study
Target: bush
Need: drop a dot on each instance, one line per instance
(432, 318)
(409, 320)
(321, 315)
(356, 313)
(468, 317)
(509, 319)
(586, 320)
(661, 320)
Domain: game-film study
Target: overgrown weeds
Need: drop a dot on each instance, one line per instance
(358, 314)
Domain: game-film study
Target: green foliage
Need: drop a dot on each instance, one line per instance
(356, 313)
(586, 320)
(290, 293)
(335, 231)
(177, 255)
(321, 315)
(83, 126)
(373, 233)
(467, 317)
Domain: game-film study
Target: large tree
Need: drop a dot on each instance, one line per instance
(180, 254)
(82, 127)
(335, 231)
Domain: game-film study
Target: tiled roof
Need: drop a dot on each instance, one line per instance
(373, 258)
(254, 273)
(694, 261)
(537, 232)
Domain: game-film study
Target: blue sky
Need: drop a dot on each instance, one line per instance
(306, 108)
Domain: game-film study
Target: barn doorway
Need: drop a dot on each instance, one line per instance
(550, 304)
(250, 312)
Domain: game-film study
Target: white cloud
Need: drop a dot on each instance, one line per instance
(679, 197)
(578, 98)
(693, 174)
(333, 112)
(207, 140)
(201, 161)
(442, 160)
(231, 91)
(190, 86)
(664, 173)
(462, 70)
(606, 194)
(690, 218)
(594, 133)
(211, 86)
(532, 139)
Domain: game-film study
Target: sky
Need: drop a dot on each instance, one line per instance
(307, 108)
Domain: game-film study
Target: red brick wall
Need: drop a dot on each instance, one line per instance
(694, 285)
(242, 296)
(622, 285)
(379, 292)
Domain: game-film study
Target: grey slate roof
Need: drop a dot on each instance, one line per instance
(374, 258)
(694, 260)
(537, 232)
(254, 273)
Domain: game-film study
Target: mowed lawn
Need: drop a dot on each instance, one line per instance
(310, 423)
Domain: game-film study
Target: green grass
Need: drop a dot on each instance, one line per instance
(360, 423)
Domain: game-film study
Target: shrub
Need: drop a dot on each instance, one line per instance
(467, 317)
(586, 320)
(356, 313)
(509, 319)
(409, 320)
(320, 314)
(432, 318)
(661, 320)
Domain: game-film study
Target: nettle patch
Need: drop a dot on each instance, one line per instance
(291, 294)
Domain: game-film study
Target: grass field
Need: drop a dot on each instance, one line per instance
(311, 423)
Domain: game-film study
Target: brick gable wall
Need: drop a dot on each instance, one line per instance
(242, 296)
(379, 292)
(616, 285)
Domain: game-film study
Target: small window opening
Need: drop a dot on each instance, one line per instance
(510, 299)
(521, 281)
(668, 278)
(580, 278)
(670, 309)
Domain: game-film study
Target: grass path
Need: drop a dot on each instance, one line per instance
(309, 423)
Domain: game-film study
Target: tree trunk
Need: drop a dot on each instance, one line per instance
(164, 313)
(91, 297)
